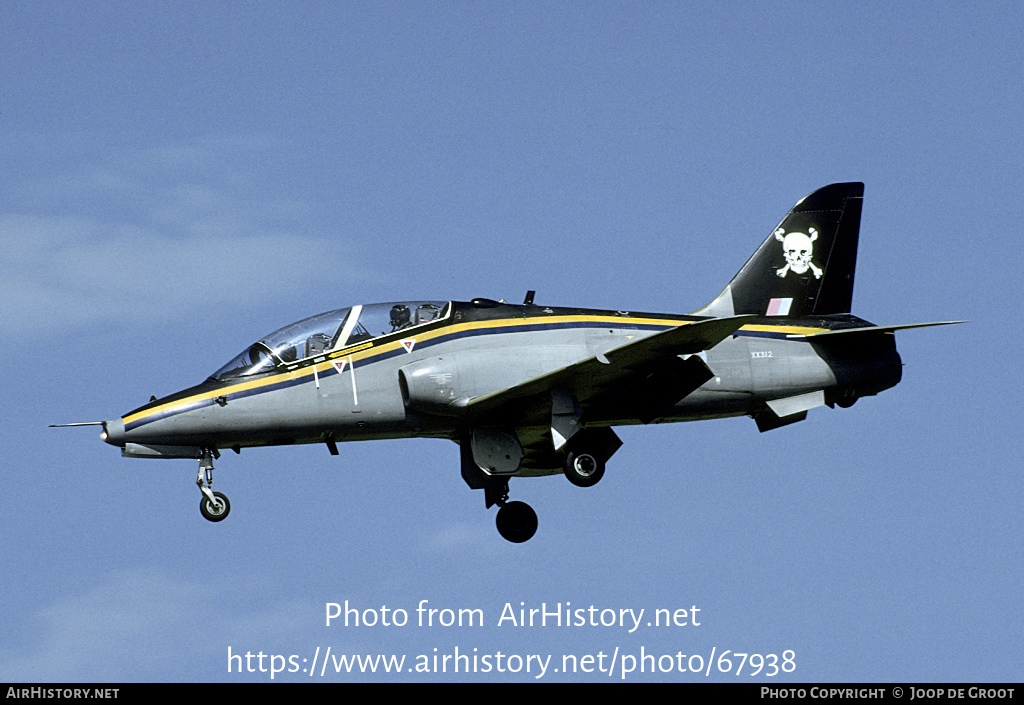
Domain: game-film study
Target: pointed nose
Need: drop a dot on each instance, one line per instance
(113, 432)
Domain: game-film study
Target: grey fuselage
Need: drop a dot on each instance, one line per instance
(416, 380)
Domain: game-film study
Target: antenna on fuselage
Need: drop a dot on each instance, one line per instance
(528, 301)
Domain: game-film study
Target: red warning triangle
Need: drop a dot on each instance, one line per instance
(409, 344)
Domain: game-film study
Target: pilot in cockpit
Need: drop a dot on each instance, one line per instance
(400, 317)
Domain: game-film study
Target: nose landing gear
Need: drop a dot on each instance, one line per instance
(214, 506)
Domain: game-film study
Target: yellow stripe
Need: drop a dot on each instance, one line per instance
(789, 330)
(364, 350)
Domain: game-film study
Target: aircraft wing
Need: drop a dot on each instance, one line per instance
(655, 374)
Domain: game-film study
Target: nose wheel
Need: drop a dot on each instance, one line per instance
(216, 509)
(214, 506)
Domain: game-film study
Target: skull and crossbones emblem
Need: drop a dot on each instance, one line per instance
(798, 248)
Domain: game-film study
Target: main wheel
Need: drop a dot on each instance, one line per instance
(517, 522)
(215, 512)
(583, 469)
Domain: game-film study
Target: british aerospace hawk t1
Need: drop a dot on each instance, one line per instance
(527, 390)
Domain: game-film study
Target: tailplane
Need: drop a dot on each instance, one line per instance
(806, 265)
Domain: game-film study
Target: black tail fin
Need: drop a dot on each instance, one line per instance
(806, 265)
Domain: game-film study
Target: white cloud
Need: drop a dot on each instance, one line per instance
(144, 624)
(62, 272)
(154, 234)
(103, 635)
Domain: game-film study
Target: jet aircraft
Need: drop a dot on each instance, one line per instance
(527, 389)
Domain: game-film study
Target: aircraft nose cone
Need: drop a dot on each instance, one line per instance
(113, 432)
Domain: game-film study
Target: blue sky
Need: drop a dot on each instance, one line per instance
(182, 178)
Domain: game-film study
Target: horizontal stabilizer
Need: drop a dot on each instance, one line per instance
(874, 329)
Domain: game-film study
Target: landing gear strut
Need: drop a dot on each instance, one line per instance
(214, 506)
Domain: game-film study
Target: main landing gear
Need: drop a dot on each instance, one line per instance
(516, 521)
(214, 506)
(490, 457)
(500, 452)
(583, 468)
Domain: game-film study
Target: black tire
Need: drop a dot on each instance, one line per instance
(583, 469)
(211, 512)
(517, 522)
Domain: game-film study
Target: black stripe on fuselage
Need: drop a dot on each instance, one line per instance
(495, 320)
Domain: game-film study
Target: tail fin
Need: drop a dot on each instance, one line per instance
(807, 263)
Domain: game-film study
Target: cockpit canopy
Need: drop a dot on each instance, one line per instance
(329, 331)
